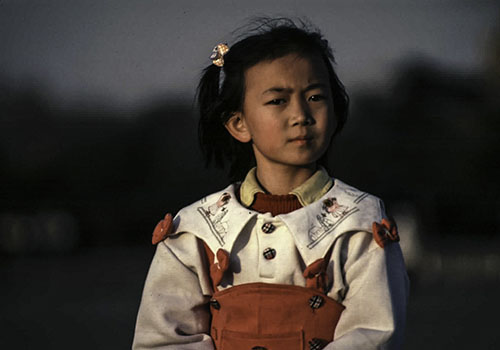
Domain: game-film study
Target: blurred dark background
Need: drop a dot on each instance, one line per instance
(98, 142)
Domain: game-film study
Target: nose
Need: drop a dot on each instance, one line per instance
(300, 114)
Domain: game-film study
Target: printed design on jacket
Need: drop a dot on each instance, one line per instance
(360, 198)
(331, 215)
(214, 215)
(353, 192)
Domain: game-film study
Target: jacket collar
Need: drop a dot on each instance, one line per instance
(219, 218)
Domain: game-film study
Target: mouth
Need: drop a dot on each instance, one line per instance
(301, 139)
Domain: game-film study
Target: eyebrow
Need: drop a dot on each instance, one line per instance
(282, 89)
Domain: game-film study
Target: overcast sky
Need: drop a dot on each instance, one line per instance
(128, 52)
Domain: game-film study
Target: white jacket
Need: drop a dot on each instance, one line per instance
(369, 281)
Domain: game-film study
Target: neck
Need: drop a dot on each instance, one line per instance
(281, 180)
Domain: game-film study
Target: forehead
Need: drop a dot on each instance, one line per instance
(290, 71)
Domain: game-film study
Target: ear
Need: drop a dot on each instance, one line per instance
(238, 128)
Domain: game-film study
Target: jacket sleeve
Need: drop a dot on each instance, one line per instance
(372, 284)
(174, 310)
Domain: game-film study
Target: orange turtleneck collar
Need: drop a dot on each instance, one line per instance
(275, 204)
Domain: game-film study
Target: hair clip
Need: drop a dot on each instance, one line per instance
(218, 53)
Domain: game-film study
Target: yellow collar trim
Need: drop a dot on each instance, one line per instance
(249, 187)
(309, 192)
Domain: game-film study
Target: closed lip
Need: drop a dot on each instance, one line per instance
(301, 138)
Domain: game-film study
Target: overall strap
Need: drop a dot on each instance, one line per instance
(216, 269)
(315, 274)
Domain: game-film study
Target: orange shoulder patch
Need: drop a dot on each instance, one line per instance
(163, 229)
(385, 233)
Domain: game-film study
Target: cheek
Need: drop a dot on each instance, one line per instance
(264, 133)
(328, 124)
(264, 126)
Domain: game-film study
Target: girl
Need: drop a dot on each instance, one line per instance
(286, 258)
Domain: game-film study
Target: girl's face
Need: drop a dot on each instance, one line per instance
(287, 112)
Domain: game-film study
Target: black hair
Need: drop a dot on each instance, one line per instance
(270, 38)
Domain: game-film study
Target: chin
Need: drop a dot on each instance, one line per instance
(304, 163)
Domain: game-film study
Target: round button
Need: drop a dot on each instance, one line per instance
(269, 253)
(315, 301)
(268, 227)
(317, 344)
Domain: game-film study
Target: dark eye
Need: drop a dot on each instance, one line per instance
(315, 98)
(277, 101)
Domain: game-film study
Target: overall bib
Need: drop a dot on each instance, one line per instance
(262, 316)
